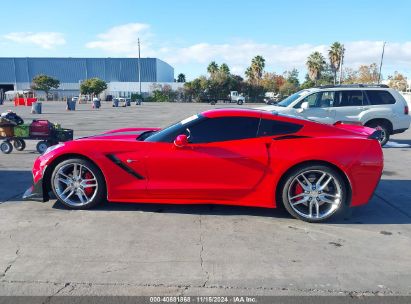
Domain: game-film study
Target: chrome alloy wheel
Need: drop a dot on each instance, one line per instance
(315, 194)
(75, 184)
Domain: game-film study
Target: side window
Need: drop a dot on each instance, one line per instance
(270, 127)
(376, 97)
(349, 99)
(311, 99)
(224, 129)
(327, 99)
(318, 100)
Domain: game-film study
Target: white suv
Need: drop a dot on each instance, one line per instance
(371, 105)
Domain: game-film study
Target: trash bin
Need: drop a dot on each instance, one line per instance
(128, 102)
(71, 105)
(115, 102)
(96, 103)
(36, 108)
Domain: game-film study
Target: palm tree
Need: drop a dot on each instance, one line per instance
(257, 66)
(212, 68)
(181, 77)
(224, 69)
(335, 54)
(249, 74)
(315, 64)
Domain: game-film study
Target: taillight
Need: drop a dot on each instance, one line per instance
(406, 110)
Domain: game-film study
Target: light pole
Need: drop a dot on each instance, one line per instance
(139, 67)
(341, 63)
(382, 58)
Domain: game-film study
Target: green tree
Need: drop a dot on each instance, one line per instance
(250, 75)
(45, 83)
(335, 54)
(181, 77)
(224, 69)
(292, 77)
(315, 64)
(93, 86)
(212, 68)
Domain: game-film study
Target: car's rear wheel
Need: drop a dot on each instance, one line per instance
(78, 184)
(314, 193)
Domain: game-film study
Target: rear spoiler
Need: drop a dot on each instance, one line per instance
(358, 128)
(376, 135)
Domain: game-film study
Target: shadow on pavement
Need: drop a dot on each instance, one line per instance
(380, 210)
(13, 183)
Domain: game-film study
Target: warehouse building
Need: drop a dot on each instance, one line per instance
(121, 74)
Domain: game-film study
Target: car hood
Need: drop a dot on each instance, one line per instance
(126, 133)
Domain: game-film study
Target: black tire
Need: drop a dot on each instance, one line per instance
(335, 209)
(19, 144)
(240, 102)
(42, 146)
(6, 147)
(100, 191)
(385, 130)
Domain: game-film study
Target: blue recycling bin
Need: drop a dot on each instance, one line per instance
(36, 108)
(71, 105)
(96, 104)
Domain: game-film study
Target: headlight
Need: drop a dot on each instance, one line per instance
(49, 149)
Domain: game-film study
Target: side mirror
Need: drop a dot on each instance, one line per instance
(305, 105)
(181, 141)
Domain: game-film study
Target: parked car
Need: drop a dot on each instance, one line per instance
(375, 106)
(226, 156)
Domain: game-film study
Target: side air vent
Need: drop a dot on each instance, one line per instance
(123, 166)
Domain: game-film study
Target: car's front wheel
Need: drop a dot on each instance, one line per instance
(314, 193)
(78, 184)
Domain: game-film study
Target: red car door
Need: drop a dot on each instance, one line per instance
(213, 168)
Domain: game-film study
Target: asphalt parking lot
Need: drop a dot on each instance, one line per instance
(137, 249)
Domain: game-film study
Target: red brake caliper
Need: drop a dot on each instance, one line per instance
(298, 190)
(89, 191)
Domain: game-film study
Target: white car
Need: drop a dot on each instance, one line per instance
(371, 105)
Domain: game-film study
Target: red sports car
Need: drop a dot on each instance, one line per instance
(226, 156)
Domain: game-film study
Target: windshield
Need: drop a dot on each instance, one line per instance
(170, 133)
(290, 99)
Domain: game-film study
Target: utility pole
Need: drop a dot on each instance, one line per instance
(341, 63)
(382, 58)
(139, 66)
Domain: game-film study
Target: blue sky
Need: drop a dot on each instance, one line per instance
(189, 34)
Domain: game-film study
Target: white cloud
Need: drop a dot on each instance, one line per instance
(46, 40)
(122, 40)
